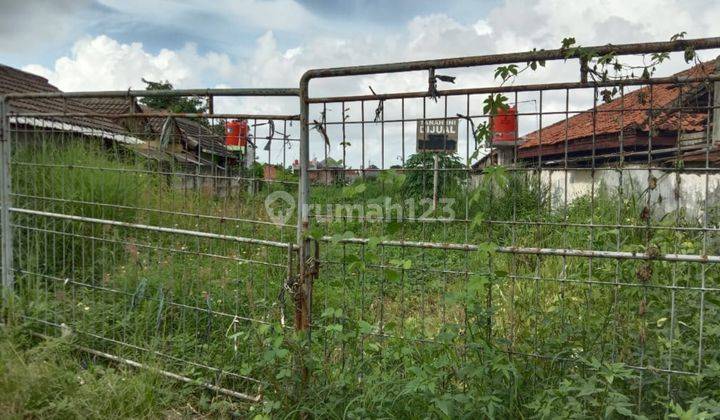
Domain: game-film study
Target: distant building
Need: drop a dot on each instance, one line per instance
(326, 172)
(192, 149)
(662, 125)
(271, 172)
(28, 117)
(623, 126)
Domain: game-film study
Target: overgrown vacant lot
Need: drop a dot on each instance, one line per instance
(397, 330)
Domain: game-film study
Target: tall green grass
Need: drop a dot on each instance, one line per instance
(71, 180)
(541, 330)
(50, 379)
(456, 333)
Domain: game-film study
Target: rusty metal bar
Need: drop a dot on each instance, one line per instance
(159, 93)
(493, 59)
(167, 374)
(519, 88)
(157, 115)
(303, 287)
(209, 235)
(714, 259)
(584, 70)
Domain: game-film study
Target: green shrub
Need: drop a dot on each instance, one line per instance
(419, 175)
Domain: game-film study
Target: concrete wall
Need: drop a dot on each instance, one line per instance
(673, 190)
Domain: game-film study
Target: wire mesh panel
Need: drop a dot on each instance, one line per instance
(138, 233)
(534, 246)
(541, 249)
(5, 237)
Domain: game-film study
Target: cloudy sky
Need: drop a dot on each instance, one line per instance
(112, 44)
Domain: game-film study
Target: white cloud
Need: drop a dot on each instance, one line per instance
(103, 63)
(482, 27)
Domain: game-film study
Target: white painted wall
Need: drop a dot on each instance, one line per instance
(673, 191)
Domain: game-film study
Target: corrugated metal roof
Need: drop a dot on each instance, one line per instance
(709, 155)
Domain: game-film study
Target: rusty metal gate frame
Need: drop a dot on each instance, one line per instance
(308, 258)
(304, 243)
(7, 210)
(308, 268)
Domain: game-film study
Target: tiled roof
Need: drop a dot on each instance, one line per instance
(190, 133)
(187, 132)
(111, 106)
(209, 141)
(17, 81)
(13, 80)
(629, 112)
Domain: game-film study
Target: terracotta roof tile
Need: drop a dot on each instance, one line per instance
(189, 132)
(629, 112)
(209, 141)
(13, 80)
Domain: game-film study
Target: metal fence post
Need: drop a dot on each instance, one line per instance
(303, 191)
(5, 230)
(303, 289)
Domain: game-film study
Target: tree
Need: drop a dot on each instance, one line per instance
(176, 104)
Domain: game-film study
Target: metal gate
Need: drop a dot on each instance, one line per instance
(571, 230)
(136, 233)
(583, 240)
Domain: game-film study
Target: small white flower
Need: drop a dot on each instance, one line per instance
(65, 331)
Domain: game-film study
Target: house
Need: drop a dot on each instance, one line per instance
(330, 171)
(184, 141)
(492, 158)
(28, 117)
(653, 127)
(189, 144)
(679, 118)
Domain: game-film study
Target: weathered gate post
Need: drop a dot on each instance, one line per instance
(303, 289)
(5, 231)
